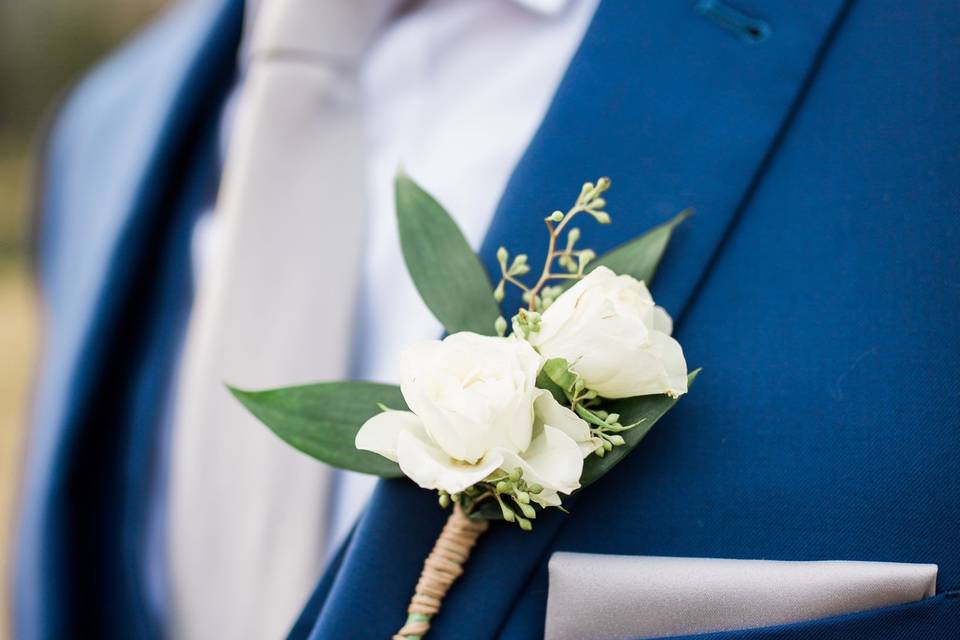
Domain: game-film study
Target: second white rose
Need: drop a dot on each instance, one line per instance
(614, 336)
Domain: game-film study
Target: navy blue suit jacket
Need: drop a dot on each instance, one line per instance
(818, 287)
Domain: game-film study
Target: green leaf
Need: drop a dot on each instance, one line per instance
(489, 509)
(544, 382)
(447, 273)
(647, 410)
(639, 257)
(322, 420)
(557, 371)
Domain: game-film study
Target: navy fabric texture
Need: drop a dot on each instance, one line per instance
(816, 285)
(934, 617)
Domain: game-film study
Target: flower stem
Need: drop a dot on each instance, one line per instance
(552, 254)
(441, 568)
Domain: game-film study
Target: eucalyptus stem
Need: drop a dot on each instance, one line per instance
(517, 283)
(552, 255)
(588, 202)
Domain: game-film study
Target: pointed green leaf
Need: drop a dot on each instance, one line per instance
(647, 410)
(447, 273)
(487, 510)
(322, 420)
(641, 256)
(557, 371)
(544, 382)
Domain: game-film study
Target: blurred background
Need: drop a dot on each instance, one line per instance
(45, 46)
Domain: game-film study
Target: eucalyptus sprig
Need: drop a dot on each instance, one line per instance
(540, 295)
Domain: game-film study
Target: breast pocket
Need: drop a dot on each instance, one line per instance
(621, 596)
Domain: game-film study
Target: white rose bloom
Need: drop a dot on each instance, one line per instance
(472, 412)
(614, 336)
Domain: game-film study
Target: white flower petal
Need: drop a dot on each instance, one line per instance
(550, 412)
(427, 465)
(555, 458)
(662, 321)
(654, 368)
(415, 360)
(670, 354)
(379, 434)
(546, 498)
(553, 461)
(558, 316)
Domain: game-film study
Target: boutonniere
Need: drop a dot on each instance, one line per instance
(502, 419)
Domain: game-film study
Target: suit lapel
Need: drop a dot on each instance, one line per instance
(679, 112)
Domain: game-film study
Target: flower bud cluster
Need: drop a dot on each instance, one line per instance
(526, 323)
(513, 488)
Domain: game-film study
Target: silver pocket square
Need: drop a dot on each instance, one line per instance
(609, 596)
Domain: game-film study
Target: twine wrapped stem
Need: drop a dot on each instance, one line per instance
(441, 568)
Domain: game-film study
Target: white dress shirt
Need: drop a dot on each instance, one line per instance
(453, 90)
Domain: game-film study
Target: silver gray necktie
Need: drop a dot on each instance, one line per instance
(273, 307)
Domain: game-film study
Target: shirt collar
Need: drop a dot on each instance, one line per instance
(543, 7)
